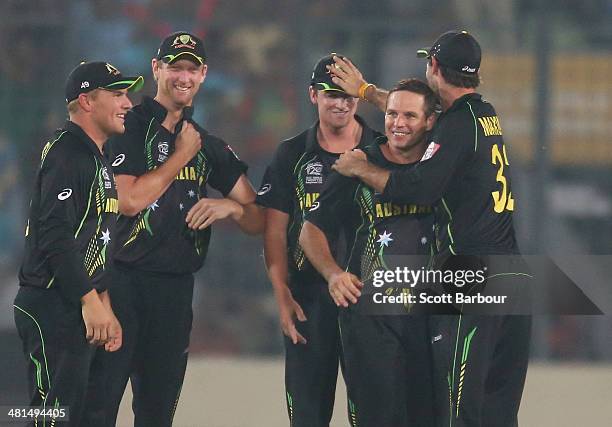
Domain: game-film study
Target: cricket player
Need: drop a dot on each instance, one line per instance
(290, 187)
(387, 358)
(163, 164)
(63, 310)
(480, 361)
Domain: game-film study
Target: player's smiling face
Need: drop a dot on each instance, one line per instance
(109, 109)
(335, 108)
(178, 82)
(405, 120)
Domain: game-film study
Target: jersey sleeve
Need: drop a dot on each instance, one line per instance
(276, 190)
(226, 168)
(64, 191)
(128, 149)
(426, 183)
(333, 206)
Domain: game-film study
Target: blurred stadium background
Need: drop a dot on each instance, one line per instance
(547, 68)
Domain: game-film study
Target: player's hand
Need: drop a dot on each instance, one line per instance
(188, 142)
(207, 211)
(351, 163)
(115, 336)
(344, 287)
(97, 318)
(346, 75)
(289, 310)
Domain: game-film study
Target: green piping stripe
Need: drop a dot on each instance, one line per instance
(51, 282)
(42, 341)
(475, 127)
(38, 371)
(454, 362)
(447, 209)
(450, 219)
(88, 200)
(48, 147)
(466, 345)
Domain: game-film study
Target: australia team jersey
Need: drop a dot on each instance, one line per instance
(73, 212)
(292, 184)
(158, 239)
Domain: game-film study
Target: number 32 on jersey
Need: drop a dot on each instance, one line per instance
(502, 200)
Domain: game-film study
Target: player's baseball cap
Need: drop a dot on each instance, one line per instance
(457, 50)
(181, 45)
(88, 76)
(321, 77)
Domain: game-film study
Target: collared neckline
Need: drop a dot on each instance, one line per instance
(159, 112)
(78, 131)
(312, 143)
(461, 100)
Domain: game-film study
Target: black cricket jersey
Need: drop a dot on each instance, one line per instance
(72, 217)
(158, 239)
(464, 172)
(292, 184)
(378, 232)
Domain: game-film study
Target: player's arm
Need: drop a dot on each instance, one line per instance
(346, 75)
(239, 205)
(425, 183)
(323, 221)
(63, 189)
(137, 192)
(275, 253)
(344, 287)
(355, 164)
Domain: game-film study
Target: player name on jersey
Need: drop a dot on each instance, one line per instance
(490, 125)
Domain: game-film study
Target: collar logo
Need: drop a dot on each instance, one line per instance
(184, 40)
(112, 69)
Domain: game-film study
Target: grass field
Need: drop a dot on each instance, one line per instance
(250, 393)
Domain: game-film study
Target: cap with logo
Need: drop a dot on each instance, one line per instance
(457, 50)
(88, 76)
(181, 45)
(321, 77)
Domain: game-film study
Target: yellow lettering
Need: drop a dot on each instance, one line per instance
(379, 212)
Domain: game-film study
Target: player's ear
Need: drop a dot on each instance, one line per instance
(84, 101)
(204, 71)
(312, 94)
(155, 64)
(431, 120)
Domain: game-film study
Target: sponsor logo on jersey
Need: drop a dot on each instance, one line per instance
(432, 148)
(64, 194)
(118, 160)
(264, 189)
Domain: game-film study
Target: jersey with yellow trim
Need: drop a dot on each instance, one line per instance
(158, 239)
(465, 173)
(292, 184)
(73, 212)
(380, 234)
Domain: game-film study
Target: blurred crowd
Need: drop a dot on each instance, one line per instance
(260, 54)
